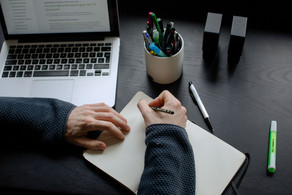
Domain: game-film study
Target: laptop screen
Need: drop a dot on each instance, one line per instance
(36, 17)
(52, 16)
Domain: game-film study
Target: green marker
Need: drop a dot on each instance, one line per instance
(158, 29)
(272, 147)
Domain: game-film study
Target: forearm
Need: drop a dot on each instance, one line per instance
(41, 119)
(169, 162)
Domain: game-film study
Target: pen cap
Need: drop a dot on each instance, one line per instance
(165, 70)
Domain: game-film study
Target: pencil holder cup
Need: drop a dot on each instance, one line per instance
(165, 70)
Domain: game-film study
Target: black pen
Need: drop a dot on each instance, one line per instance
(196, 97)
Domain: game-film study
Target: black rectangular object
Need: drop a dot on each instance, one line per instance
(211, 34)
(237, 37)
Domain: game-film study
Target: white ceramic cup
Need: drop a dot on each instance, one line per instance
(165, 70)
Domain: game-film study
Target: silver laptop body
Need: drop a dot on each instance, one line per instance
(66, 49)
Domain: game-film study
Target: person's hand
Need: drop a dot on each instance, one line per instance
(167, 101)
(93, 117)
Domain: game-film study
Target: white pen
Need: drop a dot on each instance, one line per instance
(196, 98)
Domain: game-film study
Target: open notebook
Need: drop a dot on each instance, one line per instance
(216, 161)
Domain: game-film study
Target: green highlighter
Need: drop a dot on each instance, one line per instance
(272, 147)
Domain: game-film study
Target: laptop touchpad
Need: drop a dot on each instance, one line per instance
(60, 89)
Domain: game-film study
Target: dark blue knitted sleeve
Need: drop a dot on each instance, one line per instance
(40, 120)
(169, 162)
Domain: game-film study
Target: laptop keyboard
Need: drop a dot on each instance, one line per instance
(58, 60)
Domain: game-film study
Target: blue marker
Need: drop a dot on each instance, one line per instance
(155, 49)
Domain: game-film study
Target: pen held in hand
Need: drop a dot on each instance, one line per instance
(162, 110)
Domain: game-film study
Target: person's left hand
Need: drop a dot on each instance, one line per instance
(91, 117)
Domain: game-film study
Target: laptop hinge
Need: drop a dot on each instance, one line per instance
(63, 39)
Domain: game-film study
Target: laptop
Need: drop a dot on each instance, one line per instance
(66, 49)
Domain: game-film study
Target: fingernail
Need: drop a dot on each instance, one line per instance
(128, 128)
(102, 147)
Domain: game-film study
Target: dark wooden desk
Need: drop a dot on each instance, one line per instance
(241, 101)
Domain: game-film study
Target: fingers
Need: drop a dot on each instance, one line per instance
(164, 97)
(102, 116)
(93, 117)
(110, 117)
(144, 108)
(167, 101)
(101, 107)
(110, 127)
(87, 143)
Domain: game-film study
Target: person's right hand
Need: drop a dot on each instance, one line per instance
(93, 117)
(167, 101)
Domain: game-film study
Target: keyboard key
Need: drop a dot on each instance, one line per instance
(37, 67)
(100, 60)
(20, 62)
(56, 55)
(20, 56)
(101, 66)
(15, 67)
(64, 61)
(92, 55)
(11, 51)
(7, 68)
(11, 62)
(44, 67)
(56, 61)
(52, 67)
(11, 57)
(59, 67)
(106, 49)
(51, 73)
(105, 73)
(93, 60)
(12, 74)
(97, 72)
(81, 66)
(19, 74)
(34, 56)
(5, 74)
(89, 66)
(35, 61)
(79, 60)
(74, 67)
(27, 73)
(49, 61)
(96, 49)
(82, 73)
(27, 62)
(74, 73)
(66, 66)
